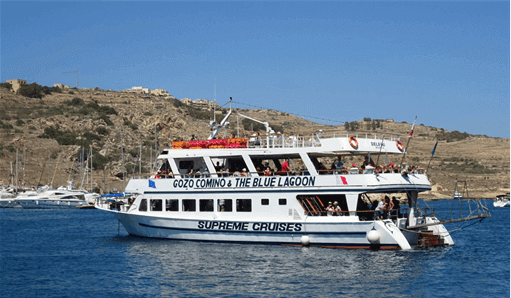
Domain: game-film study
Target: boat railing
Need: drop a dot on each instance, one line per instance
(273, 173)
(309, 140)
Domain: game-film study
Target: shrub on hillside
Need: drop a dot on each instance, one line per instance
(7, 86)
(77, 101)
(105, 118)
(451, 136)
(4, 125)
(33, 90)
(102, 130)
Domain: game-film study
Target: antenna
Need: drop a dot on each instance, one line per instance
(76, 71)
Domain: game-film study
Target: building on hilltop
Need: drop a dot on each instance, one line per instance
(138, 90)
(61, 86)
(200, 103)
(16, 84)
(160, 92)
(186, 101)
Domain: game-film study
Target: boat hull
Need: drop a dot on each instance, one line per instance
(325, 234)
(42, 204)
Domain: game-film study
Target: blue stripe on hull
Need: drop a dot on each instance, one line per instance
(257, 232)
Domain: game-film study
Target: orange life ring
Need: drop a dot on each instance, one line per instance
(400, 146)
(353, 142)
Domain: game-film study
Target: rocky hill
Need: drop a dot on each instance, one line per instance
(47, 136)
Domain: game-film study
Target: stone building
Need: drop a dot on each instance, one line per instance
(160, 92)
(186, 101)
(16, 84)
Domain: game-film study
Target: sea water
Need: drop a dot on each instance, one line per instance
(85, 253)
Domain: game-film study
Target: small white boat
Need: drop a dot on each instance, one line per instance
(51, 199)
(501, 201)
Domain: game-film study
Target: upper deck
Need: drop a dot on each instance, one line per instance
(315, 144)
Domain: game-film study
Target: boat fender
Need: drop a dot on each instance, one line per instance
(306, 240)
(373, 236)
(353, 142)
(400, 145)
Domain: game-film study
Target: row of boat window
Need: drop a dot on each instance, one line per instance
(205, 205)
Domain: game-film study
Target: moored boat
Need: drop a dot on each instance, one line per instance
(227, 194)
(501, 201)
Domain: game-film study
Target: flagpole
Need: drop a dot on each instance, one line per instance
(409, 137)
(381, 146)
(432, 153)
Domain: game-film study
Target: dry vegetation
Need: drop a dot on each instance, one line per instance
(68, 124)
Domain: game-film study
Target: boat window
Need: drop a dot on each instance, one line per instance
(186, 164)
(189, 205)
(143, 205)
(225, 205)
(156, 205)
(206, 205)
(243, 205)
(282, 201)
(171, 205)
(265, 202)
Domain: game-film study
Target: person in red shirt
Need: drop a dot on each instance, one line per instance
(285, 166)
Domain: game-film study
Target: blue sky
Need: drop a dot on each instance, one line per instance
(445, 62)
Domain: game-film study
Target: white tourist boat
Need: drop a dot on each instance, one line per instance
(501, 201)
(228, 198)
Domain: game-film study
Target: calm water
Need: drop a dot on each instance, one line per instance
(80, 253)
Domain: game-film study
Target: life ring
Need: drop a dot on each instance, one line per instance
(400, 146)
(353, 142)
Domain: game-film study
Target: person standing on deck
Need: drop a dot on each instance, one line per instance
(285, 166)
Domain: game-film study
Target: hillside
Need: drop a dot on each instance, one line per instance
(96, 117)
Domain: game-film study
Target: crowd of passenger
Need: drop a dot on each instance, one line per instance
(337, 167)
(385, 208)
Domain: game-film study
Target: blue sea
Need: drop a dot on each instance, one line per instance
(85, 253)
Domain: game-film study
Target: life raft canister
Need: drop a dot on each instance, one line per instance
(353, 142)
(400, 146)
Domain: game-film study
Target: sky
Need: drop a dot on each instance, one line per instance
(445, 62)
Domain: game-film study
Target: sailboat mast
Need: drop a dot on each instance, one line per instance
(122, 161)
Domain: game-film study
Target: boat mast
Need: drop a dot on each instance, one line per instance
(24, 162)
(216, 127)
(49, 156)
(17, 170)
(122, 159)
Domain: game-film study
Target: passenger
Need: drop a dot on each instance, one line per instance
(339, 165)
(379, 208)
(367, 161)
(158, 175)
(243, 173)
(191, 174)
(396, 206)
(258, 140)
(285, 166)
(418, 170)
(252, 139)
(170, 174)
(337, 209)
(354, 169)
(329, 209)
(388, 205)
(218, 167)
(267, 172)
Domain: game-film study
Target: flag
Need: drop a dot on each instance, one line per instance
(413, 125)
(434, 148)
(152, 184)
